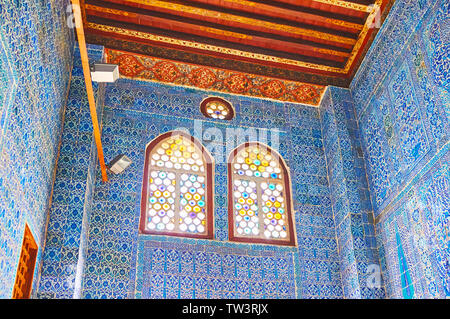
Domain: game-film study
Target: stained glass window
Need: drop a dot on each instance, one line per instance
(217, 108)
(177, 187)
(259, 196)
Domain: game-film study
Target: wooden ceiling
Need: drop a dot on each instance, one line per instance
(315, 41)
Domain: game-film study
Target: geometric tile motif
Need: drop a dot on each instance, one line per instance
(401, 94)
(440, 41)
(36, 56)
(422, 218)
(199, 272)
(406, 119)
(389, 44)
(162, 266)
(408, 131)
(350, 198)
(8, 80)
(434, 194)
(65, 246)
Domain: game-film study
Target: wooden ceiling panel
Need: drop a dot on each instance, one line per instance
(316, 41)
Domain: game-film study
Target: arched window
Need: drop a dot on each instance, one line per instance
(177, 190)
(259, 196)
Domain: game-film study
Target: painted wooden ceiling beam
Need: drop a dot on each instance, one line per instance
(285, 14)
(238, 21)
(89, 88)
(210, 32)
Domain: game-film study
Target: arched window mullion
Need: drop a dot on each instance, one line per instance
(177, 200)
(260, 212)
(176, 170)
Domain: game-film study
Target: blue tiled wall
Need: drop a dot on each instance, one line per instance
(392, 124)
(421, 216)
(402, 99)
(65, 246)
(350, 197)
(119, 263)
(35, 61)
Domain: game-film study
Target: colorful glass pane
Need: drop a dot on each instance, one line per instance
(258, 162)
(177, 171)
(192, 203)
(178, 153)
(161, 201)
(217, 108)
(259, 194)
(246, 217)
(274, 211)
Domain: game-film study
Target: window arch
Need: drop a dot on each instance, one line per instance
(259, 196)
(177, 188)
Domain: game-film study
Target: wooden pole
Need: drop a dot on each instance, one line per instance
(90, 91)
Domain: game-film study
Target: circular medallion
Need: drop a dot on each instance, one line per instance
(217, 108)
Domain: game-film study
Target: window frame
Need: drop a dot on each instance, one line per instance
(23, 284)
(209, 191)
(291, 241)
(228, 105)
